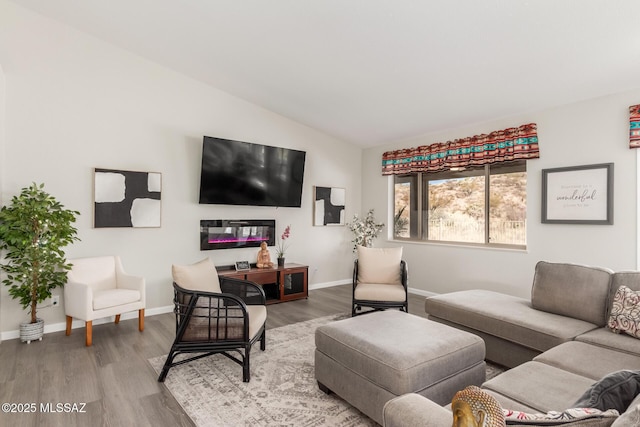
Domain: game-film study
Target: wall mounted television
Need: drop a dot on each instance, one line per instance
(243, 173)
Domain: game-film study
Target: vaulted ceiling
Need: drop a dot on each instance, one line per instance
(374, 71)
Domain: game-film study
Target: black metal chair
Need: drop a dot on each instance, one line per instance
(380, 296)
(208, 323)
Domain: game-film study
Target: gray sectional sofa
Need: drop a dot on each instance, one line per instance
(557, 344)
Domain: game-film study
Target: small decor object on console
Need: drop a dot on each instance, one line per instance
(364, 230)
(264, 257)
(281, 247)
(243, 266)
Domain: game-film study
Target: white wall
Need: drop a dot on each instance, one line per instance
(74, 103)
(590, 132)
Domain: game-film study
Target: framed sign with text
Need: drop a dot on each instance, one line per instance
(243, 266)
(578, 195)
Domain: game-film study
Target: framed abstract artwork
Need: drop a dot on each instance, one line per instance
(126, 198)
(328, 206)
(578, 195)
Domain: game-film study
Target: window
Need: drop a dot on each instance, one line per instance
(485, 205)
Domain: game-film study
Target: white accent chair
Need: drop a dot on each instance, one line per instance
(379, 280)
(98, 287)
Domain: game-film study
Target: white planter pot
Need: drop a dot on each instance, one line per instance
(31, 331)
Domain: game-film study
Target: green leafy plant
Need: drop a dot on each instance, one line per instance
(34, 229)
(400, 223)
(364, 229)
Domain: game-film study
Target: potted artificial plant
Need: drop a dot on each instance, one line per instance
(34, 229)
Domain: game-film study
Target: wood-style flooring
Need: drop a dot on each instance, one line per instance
(112, 382)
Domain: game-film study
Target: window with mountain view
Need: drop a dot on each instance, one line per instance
(486, 205)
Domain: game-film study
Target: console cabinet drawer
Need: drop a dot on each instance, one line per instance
(263, 278)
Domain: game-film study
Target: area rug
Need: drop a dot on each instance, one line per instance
(282, 391)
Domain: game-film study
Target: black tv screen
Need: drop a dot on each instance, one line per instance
(242, 173)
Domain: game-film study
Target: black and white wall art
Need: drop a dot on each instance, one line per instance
(126, 198)
(329, 206)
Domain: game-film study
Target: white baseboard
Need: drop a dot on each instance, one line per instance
(421, 292)
(61, 326)
(329, 284)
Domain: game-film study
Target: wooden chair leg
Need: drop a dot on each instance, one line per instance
(141, 319)
(69, 320)
(89, 333)
(117, 319)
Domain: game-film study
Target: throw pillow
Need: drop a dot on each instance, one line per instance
(625, 312)
(379, 265)
(201, 276)
(614, 391)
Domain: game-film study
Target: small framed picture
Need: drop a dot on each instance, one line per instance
(578, 195)
(242, 266)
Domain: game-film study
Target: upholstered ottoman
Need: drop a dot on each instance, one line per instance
(370, 359)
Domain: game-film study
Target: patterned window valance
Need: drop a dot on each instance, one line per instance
(634, 130)
(499, 146)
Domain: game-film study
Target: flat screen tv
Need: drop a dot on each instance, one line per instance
(242, 173)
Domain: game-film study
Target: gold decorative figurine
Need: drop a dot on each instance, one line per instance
(473, 407)
(264, 257)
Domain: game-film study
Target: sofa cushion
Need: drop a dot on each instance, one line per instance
(114, 297)
(542, 387)
(605, 338)
(588, 360)
(379, 292)
(379, 265)
(571, 290)
(625, 312)
(507, 317)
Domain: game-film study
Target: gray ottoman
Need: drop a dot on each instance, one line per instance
(370, 359)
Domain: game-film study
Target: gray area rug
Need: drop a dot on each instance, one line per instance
(282, 391)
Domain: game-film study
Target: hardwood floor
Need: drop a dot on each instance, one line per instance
(112, 382)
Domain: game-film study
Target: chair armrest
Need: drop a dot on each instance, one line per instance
(134, 283)
(228, 311)
(250, 292)
(78, 300)
(404, 273)
(413, 409)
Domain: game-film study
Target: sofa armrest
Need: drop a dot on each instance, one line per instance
(413, 409)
